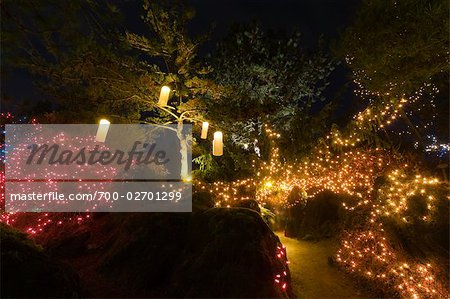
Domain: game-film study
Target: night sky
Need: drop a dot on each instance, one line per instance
(312, 17)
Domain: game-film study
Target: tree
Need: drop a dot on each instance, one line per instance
(70, 49)
(269, 79)
(169, 43)
(100, 70)
(119, 74)
(394, 47)
(398, 54)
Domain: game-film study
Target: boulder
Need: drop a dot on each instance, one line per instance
(249, 204)
(27, 272)
(212, 252)
(221, 252)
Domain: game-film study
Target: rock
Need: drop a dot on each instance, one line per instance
(230, 253)
(213, 252)
(249, 204)
(219, 252)
(27, 272)
(70, 244)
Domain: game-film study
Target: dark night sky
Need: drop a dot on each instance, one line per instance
(314, 18)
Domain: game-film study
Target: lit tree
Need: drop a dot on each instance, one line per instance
(169, 43)
(394, 47)
(98, 71)
(398, 54)
(112, 73)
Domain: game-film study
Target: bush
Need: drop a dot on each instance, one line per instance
(27, 272)
(322, 216)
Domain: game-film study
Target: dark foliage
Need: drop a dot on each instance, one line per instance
(270, 78)
(27, 272)
(322, 216)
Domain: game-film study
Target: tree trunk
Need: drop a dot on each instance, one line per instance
(183, 151)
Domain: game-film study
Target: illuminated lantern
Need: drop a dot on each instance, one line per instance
(164, 96)
(205, 126)
(102, 131)
(218, 144)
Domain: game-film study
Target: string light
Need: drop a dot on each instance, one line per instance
(281, 279)
(383, 110)
(366, 250)
(36, 222)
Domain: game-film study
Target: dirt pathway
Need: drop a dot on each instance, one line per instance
(312, 276)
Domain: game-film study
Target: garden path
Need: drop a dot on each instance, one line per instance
(312, 276)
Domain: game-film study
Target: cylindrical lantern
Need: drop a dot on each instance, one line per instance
(205, 126)
(218, 144)
(164, 96)
(102, 130)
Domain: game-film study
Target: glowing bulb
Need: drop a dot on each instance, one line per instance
(205, 126)
(102, 130)
(218, 144)
(164, 96)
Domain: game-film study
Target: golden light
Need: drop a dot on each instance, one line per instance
(187, 179)
(205, 126)
(164, 96)
(352, 172)
(218, 144)
(102, 130)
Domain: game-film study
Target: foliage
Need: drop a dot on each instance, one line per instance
(267, 215)
(207, 167)
(75, 70)
(234, 164)
(398, 54)
(269, 78)
(101, 70)
(20, 239)
(395, 47)
(263, 76)
(27, 271)
(404, 244)
(320, 216)
(170, 58)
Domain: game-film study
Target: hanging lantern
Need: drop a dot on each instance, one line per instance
(218, 144)
(102, 130)
(205, 126)
(164, 96)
